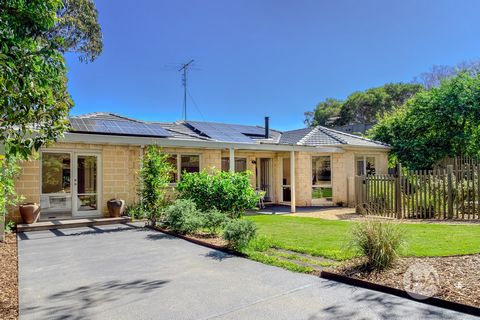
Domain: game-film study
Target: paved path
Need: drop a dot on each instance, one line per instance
(121, 272)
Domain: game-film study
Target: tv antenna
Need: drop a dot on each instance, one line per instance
(184, 69)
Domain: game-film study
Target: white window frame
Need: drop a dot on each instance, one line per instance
(320, 201)
(179, 155)
(365, 156)
(228, 158)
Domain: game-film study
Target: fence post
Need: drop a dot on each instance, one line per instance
(398, 191)
(358, 193)
(450, 190)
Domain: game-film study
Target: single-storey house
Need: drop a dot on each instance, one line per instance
(99, 159)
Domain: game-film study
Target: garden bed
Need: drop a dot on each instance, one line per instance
(458, 276)
(9, 278)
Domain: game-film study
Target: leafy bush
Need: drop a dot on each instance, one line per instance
(154, 180)
(239, 233)
(213, 220)
(229, 192)
(10, 226)
(378, 241)
(136, 211)
(182, 216)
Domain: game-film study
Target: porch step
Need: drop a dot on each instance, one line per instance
(70, 223)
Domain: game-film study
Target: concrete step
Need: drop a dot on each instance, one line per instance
(70, 223)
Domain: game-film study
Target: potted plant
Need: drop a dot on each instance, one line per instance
(116, 207)
(30, 212)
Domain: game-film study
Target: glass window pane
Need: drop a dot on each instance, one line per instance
(370, 165)
(55, 173)
(190, 163)
(225, 164)
(286, 171)
(86, 174)
(173, 161)
(240, 164)
(321, 170)
(322, 193)
(360, 167)
(87, 202)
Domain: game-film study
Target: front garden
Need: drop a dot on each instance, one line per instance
(209, 207)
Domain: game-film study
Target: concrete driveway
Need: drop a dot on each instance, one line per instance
(125, 272)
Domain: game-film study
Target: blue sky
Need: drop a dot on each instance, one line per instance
(258, 57)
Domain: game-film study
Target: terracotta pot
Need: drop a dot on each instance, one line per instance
(29, 212)
(116, 207)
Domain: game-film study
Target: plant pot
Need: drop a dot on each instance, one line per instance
(116, 207)
(29, 212)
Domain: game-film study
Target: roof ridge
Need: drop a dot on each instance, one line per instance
(323, 129)
(307, 136)
(92, 114)
(355, 136)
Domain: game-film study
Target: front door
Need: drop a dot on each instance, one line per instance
(86, 196)
(264, 179)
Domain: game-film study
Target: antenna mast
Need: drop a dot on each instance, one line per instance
(184, 70)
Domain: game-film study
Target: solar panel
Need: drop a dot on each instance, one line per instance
(226, 132)
(118, 127)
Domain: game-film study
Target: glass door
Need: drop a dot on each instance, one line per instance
(56, 192)
(86, 200)
(285, 186)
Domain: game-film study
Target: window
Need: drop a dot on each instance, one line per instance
(56, 187)
(173, 175)
(55, 173)
(322, 178)
(365, 165)
(183, 163)
(240, 164)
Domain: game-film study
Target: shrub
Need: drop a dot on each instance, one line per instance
(136, 211)
(154, 178)
(229, 192)
(213, 220)
(239, 233)
(10, 226)
(378, 241)
(182, 216)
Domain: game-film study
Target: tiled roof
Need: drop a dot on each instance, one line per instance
(222, 132)
(317, 136)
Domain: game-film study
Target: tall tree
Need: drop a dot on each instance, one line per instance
(441, 122)
(324, 113)
(34, 101)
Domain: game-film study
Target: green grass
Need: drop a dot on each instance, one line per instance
(330, 238)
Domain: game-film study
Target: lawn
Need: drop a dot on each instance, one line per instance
(330, 239)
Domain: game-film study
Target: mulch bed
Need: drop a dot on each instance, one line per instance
(458, 276)
(9, 278)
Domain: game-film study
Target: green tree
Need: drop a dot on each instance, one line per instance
(34, 35)
(323, 113)
(155, 177)
(34, 101)
(442, 122)
(368, 106)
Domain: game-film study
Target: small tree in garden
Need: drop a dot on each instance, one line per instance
(8, 170)
(229, 192)
(154, 179)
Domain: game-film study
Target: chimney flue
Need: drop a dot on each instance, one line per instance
(267, 127)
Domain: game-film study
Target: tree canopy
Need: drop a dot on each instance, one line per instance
(362, 107)
(441, 122)
(34, 35)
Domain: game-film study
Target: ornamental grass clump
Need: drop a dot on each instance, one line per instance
(379, 242)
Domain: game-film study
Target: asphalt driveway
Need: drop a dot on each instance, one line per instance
(125, 272)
